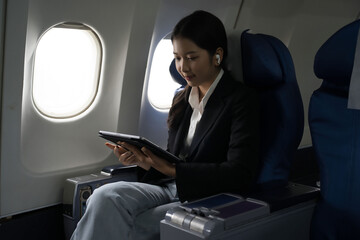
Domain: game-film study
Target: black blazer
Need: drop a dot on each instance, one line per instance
(223, 156)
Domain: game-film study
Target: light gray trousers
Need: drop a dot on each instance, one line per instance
(126, 210)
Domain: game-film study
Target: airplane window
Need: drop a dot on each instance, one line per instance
(66, 70)
(162, 87)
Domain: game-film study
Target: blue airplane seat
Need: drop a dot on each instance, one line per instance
(176, 76)
(335, 132)
(268, 67)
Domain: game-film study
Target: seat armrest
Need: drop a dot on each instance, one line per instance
(289, 195)
(113, 170)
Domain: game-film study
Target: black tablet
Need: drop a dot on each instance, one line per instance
(139, 142)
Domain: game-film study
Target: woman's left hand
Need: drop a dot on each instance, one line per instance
(145, 156)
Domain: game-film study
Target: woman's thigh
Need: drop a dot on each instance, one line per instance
(135, 197)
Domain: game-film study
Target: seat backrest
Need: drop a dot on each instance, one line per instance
(268, 67)
(335, 132)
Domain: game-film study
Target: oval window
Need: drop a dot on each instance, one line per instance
(162, 87)
(66, 70)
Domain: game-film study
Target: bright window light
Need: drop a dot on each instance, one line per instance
(162, 87)
(66, 71)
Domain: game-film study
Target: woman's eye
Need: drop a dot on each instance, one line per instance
(187, 58)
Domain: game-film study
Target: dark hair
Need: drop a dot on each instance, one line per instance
(206, 31)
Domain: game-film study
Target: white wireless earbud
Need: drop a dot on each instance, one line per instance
(218, 58)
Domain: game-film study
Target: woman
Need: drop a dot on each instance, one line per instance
(212, 127)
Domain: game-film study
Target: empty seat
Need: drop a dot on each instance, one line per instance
(335, 131)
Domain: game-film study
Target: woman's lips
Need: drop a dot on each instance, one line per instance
(188, 78)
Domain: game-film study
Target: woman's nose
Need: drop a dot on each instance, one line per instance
(184, 67)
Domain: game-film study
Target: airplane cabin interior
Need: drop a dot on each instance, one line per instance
(111, 68)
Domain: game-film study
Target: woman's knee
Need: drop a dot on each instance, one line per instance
(105, 194)
(119, 194)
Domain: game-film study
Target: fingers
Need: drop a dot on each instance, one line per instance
(134, 149)
(129, 147)
(129, 154)
(147, 152)
(110, 145)
(160, 164)
(124, 154)
(128, 158)
(137, 154)
(118, 150)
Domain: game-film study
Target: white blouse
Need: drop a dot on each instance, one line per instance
(198, 110)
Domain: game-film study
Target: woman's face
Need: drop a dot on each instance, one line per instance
(194, 64)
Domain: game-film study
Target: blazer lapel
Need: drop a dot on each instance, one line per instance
(182, 132)
(207, 120)
(212, 111)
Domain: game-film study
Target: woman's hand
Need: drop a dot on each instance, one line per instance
(126, 157)
(145, 157)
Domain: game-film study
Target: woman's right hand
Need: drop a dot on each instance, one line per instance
(126, 157)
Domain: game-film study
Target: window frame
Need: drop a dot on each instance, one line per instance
(154, 104)
(97, 75)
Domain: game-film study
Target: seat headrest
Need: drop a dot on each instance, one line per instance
(335, 59)
(265, 60)
(176, 75)
(233, 62)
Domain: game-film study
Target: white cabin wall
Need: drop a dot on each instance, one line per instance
(2, 32)
(303, 26)
(11, 100)
(2, 35)
(138, 52)
(38, 153)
